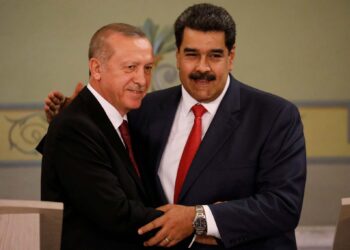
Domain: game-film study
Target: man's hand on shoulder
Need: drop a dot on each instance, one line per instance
(56, 101)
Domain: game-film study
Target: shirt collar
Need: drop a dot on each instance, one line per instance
(111, 112)
(211, 107)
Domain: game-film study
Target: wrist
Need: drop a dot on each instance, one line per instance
(200, 222)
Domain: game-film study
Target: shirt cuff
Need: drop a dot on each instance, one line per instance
(212, 229)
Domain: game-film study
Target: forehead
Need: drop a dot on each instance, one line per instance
(130, 46)
(122, 42)
(203, 41)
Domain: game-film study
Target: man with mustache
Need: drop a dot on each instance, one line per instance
(235, 152)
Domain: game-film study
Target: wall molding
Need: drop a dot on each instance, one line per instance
(24, 124)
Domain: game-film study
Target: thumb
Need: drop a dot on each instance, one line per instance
(77, 89)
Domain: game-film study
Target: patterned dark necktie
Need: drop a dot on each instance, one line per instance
(124, 132)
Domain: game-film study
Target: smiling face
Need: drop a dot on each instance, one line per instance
(204, 63)
(123, 77)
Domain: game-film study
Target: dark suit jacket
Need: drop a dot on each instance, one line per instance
(86, 166)
(252, 158)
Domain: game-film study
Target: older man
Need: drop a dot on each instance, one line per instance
(87, 162)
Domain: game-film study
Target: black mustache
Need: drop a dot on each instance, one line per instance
(202, 76)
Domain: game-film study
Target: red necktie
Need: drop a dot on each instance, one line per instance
(124, 132)
(190, 149)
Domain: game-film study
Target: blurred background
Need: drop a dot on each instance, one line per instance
(297, 49)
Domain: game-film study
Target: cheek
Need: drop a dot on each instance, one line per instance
(184, 74)
(186, 66)
(229, 65)
(148, 79)
(222, 70)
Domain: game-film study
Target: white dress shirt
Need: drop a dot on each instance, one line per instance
(180, 130)
(111, 112)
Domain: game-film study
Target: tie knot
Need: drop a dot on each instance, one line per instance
(123, 128)
(198, 110)
(124, 123)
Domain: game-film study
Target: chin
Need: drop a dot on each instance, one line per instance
(135, 105)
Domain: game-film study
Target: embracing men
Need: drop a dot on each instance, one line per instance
(228, 159)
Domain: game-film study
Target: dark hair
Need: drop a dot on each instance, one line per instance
(98, 46)
(206, 17)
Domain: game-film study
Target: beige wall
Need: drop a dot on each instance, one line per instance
(297, 49)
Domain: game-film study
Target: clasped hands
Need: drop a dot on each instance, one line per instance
(174, 226)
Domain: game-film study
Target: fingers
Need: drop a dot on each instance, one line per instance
(48, 113)
(55, 98)
(162, 239)
(150, 226)
(165, 208)
(172, 243)
(158, 239)
(168, 242)
(55, 101)
(165, 242)
(51, 108)
(175, 225)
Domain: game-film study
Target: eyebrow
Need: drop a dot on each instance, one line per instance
(217, 51)
(221, 51)
(190, 50)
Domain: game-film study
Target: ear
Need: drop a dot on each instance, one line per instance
(231, 56)
(177, 59)
(95, 67)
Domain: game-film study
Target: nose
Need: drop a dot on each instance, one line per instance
(203, 64)
(140, 77)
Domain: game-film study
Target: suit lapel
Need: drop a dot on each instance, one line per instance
(99, 116)
(161, 126)
(165, 117)
(223, 125)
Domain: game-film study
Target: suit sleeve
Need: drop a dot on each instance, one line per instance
(280, 180)
(76, 152)
(40, 146)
